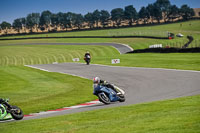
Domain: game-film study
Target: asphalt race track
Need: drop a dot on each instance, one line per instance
(140, 84)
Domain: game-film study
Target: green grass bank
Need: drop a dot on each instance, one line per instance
(169, 116)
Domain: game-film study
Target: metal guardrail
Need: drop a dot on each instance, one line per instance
(153, 37)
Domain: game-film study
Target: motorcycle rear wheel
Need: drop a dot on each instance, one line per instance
(17, 113)
(104, 98)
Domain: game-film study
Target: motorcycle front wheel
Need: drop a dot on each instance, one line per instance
(121, 98)
(16, 113)
(104, 98)
(87, 61)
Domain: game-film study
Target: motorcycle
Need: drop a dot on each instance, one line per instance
(107, 95)
(8, 111)
(87, 59)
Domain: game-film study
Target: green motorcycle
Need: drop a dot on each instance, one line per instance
(8, 111)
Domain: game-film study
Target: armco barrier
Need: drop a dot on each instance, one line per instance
(167, 50)
(153, 37)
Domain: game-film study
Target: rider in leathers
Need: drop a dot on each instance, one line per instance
(87, 57)
(98, 82)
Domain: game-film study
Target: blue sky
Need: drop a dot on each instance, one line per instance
(12, 9)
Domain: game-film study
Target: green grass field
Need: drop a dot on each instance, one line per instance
(46, 54)
(34, 90)
(179, 115)
(26, 86)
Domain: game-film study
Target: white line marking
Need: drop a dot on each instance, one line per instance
(74, 107)
(37, 68)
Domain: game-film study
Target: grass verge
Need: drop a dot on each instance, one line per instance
(176, 115)
(34, 90)
(184, 61)
(47, 54)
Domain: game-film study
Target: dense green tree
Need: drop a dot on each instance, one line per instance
(61, 19)
(32, 20)
(150, 10)
(23, 21)
(157, 12)
(164, 6)
(5, 25)
(104, 18)
(174, 12)
(17, 24)
(89, 19)
(130, 14)
(69, 18)
(143, 14)
(54, 19)
(45, 19)
(96, 17)
(117, 15)
(78, 20)
(186, 12)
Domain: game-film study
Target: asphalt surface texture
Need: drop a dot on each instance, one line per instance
(140, 84)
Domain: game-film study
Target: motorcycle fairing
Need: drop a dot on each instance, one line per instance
(3, 113)
(112, 94)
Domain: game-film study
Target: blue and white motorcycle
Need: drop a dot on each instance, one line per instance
(107, 95)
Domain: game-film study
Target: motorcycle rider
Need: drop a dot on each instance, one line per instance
(98, 82)
(87, 56)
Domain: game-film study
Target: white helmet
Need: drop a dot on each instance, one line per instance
(96, 80)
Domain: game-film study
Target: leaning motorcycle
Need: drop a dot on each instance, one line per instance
(8, 111)
(87, 59)
(107, 95)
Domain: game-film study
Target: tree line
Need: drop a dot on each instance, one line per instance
(153, 13)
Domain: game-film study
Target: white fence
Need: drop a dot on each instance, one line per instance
(156, 46)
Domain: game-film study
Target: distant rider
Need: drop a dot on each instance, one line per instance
(87, 57)
(87, 54)
(97, 82)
